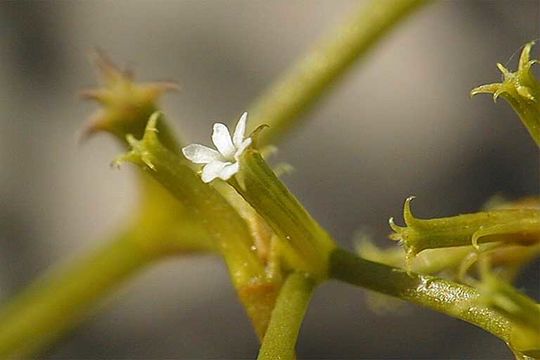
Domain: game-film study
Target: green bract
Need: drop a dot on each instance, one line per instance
(521, 89)
(262, 189)
(508, 225)
(525, 313)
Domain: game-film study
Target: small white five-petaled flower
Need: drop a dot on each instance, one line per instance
(222, 163)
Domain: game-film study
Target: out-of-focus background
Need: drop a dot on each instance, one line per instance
(401, 123)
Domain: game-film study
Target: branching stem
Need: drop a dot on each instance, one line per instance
(54, 304)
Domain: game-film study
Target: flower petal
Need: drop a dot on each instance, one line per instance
(222, 139)
(240, 130)
(200, 154)
(213, 170)
(241, 148)
(229, 170)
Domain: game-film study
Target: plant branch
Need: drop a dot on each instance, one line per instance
(291, 305)
(447, 297)
(282, 104)
(57, 302)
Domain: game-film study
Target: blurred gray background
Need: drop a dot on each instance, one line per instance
(400, 124)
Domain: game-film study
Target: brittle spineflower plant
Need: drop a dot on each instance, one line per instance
(222, 163)
(275, 250)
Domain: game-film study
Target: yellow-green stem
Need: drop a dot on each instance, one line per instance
(58, 301)
(281, 105)
(291, 305)
(447, 297)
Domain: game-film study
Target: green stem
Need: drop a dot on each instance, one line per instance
(291, 305)
(302, 86)
(57, 302)
(456, 300)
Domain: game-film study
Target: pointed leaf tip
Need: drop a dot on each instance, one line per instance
(397, 229)
(152, 121)
(506, 73)
(524, 59)
(485, 89)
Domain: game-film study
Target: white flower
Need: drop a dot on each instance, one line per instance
(222, 163)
